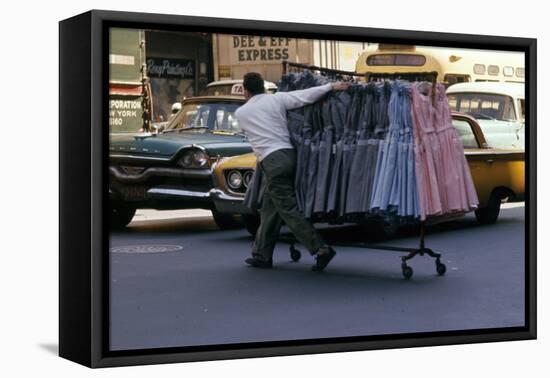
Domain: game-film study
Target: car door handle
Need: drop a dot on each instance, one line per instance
(490, 161)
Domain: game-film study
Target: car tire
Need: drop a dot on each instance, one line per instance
(489, 214)
(251, 223)
(226, 221)
(121, 215)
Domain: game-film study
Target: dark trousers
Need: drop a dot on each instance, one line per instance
(279, 205)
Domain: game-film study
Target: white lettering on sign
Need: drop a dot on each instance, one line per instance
(125, 114)
(125, 104)
(168, 68)
(127, 60)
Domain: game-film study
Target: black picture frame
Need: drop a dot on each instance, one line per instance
(83, 181)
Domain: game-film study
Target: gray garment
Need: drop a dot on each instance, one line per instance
(364, 160)
(303, 151)
(357, 175)
(324, 160)
(339, 108)
(254, 192)
(312, 162)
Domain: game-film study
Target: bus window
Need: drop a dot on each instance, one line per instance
(479, 69)
(396, 60)
(508, 71)
(520, 72)
(493, 70)
(451, 79)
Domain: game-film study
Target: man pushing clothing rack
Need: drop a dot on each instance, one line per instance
(263, 119)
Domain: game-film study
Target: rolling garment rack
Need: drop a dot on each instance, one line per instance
(422, 250)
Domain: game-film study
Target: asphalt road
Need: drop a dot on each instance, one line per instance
(200, 292)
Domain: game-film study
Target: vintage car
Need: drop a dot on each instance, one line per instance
(233, 88)
(172, 169)
(498, 107)
(498, 174)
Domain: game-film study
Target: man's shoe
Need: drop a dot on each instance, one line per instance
(323, 259)
(256, 263)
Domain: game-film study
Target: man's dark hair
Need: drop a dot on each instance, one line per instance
(254, 83)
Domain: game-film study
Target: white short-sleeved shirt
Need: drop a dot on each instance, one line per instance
(263, 117)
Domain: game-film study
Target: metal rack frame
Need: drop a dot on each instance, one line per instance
(407, 271)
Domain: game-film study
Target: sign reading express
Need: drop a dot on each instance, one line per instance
(171, 68)
(261, 49)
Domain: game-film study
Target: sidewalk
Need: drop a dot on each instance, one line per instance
(149, 214)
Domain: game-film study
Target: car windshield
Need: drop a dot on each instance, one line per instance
(218, 90)
(483, 105)
(214, 116)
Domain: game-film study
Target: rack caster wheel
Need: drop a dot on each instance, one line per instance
(407, 271)
(295, 254)
(440, 267)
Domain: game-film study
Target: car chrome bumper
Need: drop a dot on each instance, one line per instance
(227, 203)
(126, 178)
(160, 193)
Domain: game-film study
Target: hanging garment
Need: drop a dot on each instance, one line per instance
(375, 144)
(407, 190)
(302, 153)
(386, 168)
(254, 192)
(444, 181)
(460, 190)
(364, 160)
(427, 151)
(395, 191)
(351, 125)
(341, 102)
(312, 163)
(325, 157)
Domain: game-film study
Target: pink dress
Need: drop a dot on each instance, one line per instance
(444, 182)
(462, 195)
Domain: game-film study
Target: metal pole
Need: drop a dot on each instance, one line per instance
(422, 234)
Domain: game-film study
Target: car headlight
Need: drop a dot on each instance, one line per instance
(194, 159)
(247, 177)
(200, 158)
(234, 179)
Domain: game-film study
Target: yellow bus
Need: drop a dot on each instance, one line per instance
(445, 65)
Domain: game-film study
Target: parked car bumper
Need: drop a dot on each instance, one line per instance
(162, 187)
(229, 203)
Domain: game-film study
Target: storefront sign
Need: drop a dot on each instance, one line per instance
(261, 49)
(125, 114)
(171, 68)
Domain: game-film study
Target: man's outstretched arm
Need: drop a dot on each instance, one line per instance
(299, 98)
